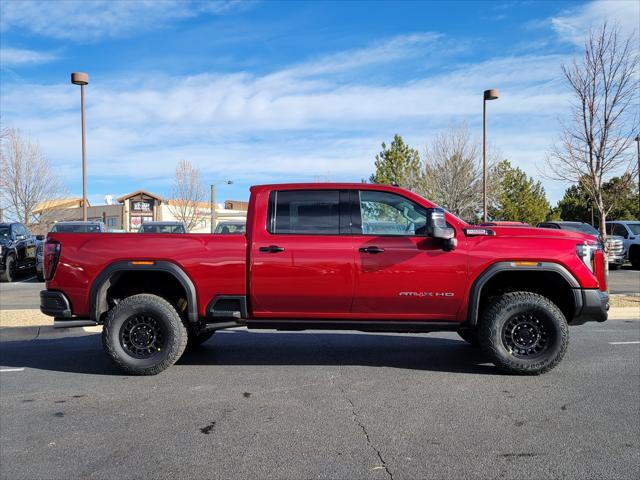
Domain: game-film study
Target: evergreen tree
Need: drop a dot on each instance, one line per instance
(398, 165)
(519, 198)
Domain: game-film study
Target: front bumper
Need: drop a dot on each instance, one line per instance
(617, 259)
(594, 306)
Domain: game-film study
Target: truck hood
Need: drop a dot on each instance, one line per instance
(533, 232)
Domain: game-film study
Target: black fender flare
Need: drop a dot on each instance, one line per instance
(494, 269)
(100, 284)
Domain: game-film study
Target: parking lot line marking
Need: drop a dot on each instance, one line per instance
(11, 369)
(625, 343)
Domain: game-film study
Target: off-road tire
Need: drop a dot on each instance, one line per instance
(470, 336)
(9, 273)
(197, 339)
(513, 305)
(173, 331)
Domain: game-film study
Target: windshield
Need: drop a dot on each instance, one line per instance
(230, 228)
(76, 228)
(581, 227)
(634, 227)
(161, 229)
(4, 231)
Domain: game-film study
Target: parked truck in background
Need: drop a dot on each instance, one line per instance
(615, 246)
(17, 250)
(331, 256)
(629, 232)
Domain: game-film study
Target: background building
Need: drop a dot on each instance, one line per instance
(135, 208)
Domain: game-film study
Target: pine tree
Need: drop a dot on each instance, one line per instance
(398, 165)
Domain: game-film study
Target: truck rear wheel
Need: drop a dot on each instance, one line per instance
(523, 333)
(144, 335)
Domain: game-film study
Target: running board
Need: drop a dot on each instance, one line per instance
(73, 323)
(392, 326)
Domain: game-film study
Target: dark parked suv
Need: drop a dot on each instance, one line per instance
(17, 250)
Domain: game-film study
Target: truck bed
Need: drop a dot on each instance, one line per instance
(216, 264)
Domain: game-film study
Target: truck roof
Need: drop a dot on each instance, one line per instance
(328, 185)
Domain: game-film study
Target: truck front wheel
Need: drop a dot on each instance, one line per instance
(144, 335)
(523, 333)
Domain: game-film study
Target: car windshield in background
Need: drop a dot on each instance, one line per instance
(4, 231)
(230, 228)
(634, 227)
(161, 229)
(75, 228)
(582, 228)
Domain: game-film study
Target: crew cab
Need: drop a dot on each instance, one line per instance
(17, 250)
(358, 256)
(629, 231)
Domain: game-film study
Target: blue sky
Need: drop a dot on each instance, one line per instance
(262, 92)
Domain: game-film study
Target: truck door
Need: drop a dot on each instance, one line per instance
(302, 260)
(400, 271)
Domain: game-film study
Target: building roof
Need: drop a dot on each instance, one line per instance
(136, 193)
(59, 203)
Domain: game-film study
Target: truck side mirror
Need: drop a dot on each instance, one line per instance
(437, 228)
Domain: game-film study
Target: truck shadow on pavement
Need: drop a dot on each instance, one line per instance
(242, 348)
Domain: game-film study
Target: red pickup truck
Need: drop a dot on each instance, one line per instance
(330, 256)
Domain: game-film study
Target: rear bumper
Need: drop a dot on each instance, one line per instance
(595, 305)
(55, 304)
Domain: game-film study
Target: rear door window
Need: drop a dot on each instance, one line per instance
(305, 212)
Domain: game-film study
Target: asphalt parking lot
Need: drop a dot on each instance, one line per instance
(322, 405)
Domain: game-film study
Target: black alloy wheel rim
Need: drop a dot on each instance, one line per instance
(526, 335)
(142, 336)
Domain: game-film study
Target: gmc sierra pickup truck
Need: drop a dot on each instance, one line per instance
(330, 256)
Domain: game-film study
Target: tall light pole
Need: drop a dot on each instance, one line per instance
(491, 94)
(637, 139)
(213, 202)
(82, 79)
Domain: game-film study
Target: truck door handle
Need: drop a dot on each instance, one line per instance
(272, 249)
(372, 250)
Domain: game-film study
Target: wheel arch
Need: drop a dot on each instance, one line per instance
(110, 274)
(554, 275)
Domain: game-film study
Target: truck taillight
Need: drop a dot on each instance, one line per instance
(51, 257)
(593, 258)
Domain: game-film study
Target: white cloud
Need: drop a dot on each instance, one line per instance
(573, 25)
(89, 20)
(18, 56)
(292, 124)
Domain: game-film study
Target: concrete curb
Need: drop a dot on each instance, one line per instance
(44, 332)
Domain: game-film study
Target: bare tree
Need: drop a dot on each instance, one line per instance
(27, 179)
(453, 173)
(188, 193)
(595, 140)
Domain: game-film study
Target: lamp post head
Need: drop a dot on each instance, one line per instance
(79, 78)
(491, 94)
(637, 139)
